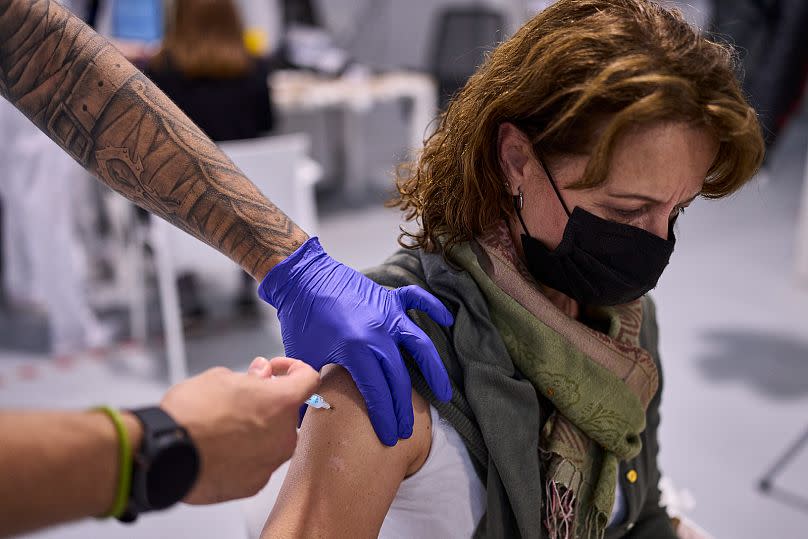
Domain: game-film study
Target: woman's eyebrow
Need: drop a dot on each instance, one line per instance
(650, 199)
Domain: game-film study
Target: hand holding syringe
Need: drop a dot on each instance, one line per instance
(277, 367)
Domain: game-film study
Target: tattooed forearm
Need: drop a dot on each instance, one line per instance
(109, 117)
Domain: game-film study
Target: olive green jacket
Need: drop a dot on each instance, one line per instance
(498, 413)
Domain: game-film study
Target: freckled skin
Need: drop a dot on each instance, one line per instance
(336, 464)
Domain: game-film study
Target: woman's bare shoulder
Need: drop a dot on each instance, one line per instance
(348, 420)
(342, 479)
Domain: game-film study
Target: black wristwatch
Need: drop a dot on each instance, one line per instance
(166, 466)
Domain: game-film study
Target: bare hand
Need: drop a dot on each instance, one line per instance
(244, 425)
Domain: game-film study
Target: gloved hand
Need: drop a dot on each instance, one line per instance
(330, 313)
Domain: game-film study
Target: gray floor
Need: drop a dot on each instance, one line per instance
(734, 343)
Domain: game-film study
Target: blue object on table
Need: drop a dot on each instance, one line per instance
(330, 313)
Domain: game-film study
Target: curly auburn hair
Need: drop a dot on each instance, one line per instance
(573, 79)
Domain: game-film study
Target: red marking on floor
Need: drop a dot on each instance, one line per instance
(64, 362)
(27, 372)
(97, 354)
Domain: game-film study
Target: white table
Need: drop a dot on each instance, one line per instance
(356, 95)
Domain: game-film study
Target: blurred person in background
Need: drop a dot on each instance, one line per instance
(206, 69)
(44, 194)
(546, 201)
(41, 187)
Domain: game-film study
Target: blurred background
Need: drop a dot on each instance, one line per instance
(317, 101)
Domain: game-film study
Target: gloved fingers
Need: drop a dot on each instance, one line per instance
(400, 385)
(415, 297)
(420, 347)
(368, 375)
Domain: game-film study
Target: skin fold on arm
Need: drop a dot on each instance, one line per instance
(342, 479)
(77, 88)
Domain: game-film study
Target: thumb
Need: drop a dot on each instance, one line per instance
(426, 356)
(259, 368)
(415, 297)
(300, 381)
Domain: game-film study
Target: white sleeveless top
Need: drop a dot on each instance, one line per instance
(445, 498)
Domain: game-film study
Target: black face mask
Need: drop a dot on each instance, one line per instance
(598, 262)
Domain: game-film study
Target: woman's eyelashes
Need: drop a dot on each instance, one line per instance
(638, 216)
(625, 215)
(628, 215)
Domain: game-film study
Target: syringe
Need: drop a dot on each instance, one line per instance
(316, 401)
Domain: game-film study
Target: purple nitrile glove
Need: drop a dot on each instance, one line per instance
(330, 313)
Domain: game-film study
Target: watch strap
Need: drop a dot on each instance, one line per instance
(156, 423)
(155, 420)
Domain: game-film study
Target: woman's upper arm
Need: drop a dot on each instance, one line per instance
(342, 479)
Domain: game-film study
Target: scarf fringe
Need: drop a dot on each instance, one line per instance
(560, 511)
(560, 515)
(595, 525)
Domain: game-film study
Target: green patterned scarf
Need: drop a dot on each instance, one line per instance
(600, 383)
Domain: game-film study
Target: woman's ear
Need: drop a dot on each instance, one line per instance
(514, 155)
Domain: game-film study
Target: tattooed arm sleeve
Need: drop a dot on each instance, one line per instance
(79, 90)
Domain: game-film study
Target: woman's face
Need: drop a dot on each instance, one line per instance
(656, 171)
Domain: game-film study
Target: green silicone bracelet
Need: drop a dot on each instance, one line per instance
(125, 461)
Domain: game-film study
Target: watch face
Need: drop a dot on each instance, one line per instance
(172, 473)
